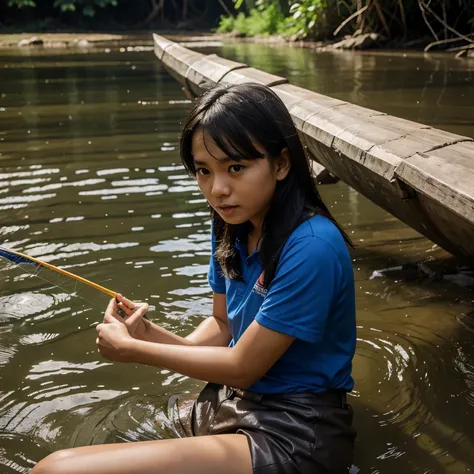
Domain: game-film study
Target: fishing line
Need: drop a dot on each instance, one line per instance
(21, 259)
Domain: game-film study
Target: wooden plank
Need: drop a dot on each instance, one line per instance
(356, 111)
(208, 71)
(397, 123)
(351, 139)
(420, 141)
(161, 44)
(178, 60)
(454, 233)
(291, 94)
(250, 74)
(445, 175)
(302, 104)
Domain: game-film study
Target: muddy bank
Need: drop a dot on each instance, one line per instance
(368, 41)
(65, 39)
(90, 40)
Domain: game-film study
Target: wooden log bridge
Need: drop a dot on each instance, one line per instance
(421, 175)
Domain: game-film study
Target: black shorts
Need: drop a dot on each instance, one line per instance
(303, 433)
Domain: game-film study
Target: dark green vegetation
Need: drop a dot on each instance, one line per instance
(109, 15)
(449, 23)
(438, 24)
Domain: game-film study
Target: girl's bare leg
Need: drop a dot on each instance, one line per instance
(214, 454)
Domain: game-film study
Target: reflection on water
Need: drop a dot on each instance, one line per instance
(90, 181)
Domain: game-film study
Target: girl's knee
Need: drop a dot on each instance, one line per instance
(58, 462)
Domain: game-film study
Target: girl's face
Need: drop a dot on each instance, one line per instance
(238, 191)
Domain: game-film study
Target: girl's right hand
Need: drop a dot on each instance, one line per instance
(137, 327)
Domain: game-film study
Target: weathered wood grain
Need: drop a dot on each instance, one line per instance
(177, 61)
(208, 71)
(250, 74)
(161, 44)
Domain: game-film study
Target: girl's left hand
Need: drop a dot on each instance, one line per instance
(114, 340)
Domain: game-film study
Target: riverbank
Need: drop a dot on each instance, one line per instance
(369, 41)
(74, 40)
(140, 39)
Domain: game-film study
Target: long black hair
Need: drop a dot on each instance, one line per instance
(235, 117)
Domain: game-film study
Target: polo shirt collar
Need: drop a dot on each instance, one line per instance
(240, 245)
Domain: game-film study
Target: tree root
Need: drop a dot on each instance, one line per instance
(347, 20)
(460, 35)
(156, 8)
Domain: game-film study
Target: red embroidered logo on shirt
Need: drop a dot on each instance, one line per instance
(258, 287)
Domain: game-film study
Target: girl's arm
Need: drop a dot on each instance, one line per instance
(240, 366)
(213, 331)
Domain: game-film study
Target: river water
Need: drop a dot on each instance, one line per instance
(90, 181)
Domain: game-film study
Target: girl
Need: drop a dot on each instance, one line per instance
(277, 351)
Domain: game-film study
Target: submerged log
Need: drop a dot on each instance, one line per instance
(421, 175)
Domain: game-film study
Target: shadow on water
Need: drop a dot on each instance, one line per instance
(90, 180)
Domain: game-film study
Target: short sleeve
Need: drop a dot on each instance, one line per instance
(214, 277)
(303, 292)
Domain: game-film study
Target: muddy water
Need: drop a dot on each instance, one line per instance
(90, 180)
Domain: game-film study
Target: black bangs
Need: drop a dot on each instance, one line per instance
(235, 118)
(237, 122)
(231, 138)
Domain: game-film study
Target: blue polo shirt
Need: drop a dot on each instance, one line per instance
(311, 298)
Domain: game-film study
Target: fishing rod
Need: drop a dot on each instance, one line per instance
(19, 258)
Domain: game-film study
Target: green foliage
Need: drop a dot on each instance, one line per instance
(268, 18)
(240, 25)
(21, 3)
(226, 24)
(305, 16)
(403, 20)
(230, 24)
(265, 19)
(318, 19)
(87, 8)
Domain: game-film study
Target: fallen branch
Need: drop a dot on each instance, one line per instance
(347, 20)
(446, 41)
(464, 51)
(461, 48)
